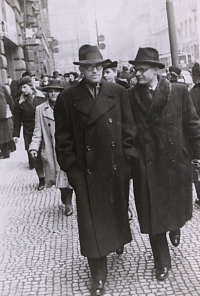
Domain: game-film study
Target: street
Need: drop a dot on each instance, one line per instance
(40, 255)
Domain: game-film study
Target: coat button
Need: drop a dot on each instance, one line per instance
(88, 171)
(88, 148)
(171, 142)
(149, 160)
(49, 124)
(110, 120)
(113, 144)
(172, 159)
(115, 167)
(170, 123)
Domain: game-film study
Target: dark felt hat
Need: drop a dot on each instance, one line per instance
(89, 54)
(25, 80)
(195, 69)
(55, 84)
(147, 55)
(28, 73)
(175, 70)
(109, 64)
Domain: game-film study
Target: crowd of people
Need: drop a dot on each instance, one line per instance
(92, 132)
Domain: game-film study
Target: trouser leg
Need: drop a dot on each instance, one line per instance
(66, 196)
(98, 268)
(160, 250)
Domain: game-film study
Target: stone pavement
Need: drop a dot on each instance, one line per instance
(39, 249)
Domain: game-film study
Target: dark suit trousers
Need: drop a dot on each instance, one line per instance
(160, 250)
(98, 268)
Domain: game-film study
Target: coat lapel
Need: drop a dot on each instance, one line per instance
(48, 111)
(93, 109)
(83, 101)
(103, 103)
(159, 100)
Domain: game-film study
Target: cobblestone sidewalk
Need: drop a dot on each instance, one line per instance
(39, 249)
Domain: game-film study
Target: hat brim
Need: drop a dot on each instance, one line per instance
(86, 62)
(52, 87)
(156, 64)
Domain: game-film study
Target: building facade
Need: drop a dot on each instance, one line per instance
(24, 35)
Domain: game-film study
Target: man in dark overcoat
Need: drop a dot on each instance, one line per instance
(167, 127)
(94, 144)
(195, 95)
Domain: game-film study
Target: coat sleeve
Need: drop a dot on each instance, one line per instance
(17, 119)
(64, 133)
(37, 133)
(128, 128)
(191, 123)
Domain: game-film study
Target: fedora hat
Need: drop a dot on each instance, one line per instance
(55, 84)
(109, 64)
(89, 54)
(174, 71)
(195, 69)
(147, 55)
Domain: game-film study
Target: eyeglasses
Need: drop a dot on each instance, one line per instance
(90, 67)
(141, 69)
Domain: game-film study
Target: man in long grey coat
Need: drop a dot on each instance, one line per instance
(94, 144)
(167, 127)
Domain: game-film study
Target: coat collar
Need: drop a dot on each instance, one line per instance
(94, 109)
(48, 111)
(158, 101)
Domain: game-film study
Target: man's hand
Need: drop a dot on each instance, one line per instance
(33, 154)
(15, 139)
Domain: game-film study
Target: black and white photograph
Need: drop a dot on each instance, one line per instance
(99, 147)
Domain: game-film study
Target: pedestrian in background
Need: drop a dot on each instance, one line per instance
(24, 114)
(7, 144)
(195, 95)
(94, 146)
(167, 128)
(173, 74)
(43, 139)
(44, 80)
(72, 78)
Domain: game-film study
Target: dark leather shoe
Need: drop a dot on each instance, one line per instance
(120, 251)
(162, 274)
(197, 202)
(68, 211)
(97, 288)
(174, 236)
(40, 187)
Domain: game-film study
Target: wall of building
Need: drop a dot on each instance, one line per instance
(24, 32)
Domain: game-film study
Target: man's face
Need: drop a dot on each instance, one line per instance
(71, 77)
(53, 94)
(92, 72)
(109, 75)
(145, 74)
(26, 89)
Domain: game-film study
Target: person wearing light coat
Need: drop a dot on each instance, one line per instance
(43, 138)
